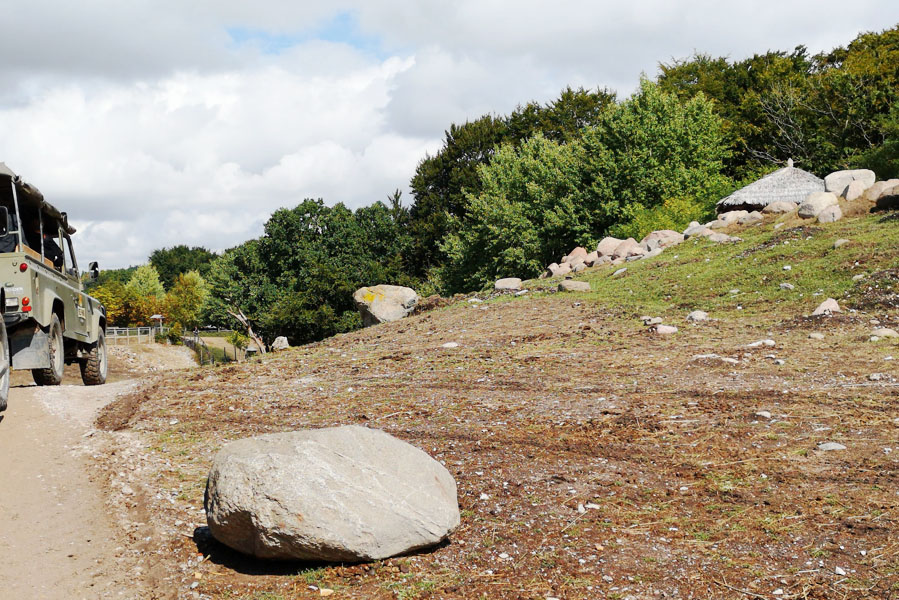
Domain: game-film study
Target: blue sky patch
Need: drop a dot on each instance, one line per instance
(342, 28)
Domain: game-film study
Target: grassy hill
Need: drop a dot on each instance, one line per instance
(594, 459)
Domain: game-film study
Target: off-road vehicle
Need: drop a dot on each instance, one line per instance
(48, 320)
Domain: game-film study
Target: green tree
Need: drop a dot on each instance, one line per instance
(186, 300)
(649, 149)
(171, 262)
(530, 210)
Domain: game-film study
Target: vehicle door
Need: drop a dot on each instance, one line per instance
(77, 315)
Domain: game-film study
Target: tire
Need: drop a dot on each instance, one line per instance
(53, 374)
(4, 366)
(95, 366)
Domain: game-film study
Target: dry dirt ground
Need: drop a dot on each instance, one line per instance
(593, 460)
(59, 539)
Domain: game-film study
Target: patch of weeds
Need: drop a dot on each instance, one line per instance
(818, 553)
(410, 588)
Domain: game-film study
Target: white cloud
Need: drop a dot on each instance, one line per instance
(161, 123)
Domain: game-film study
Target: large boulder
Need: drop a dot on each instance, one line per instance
(579, 251)
(732, 216)
(855, 190)
(661, 239)
(569, 285)
(815, 203)
(780, 207)
(343, 494)
(627, 248)
(839, 181)
(280, 343)
(607, 246)
(384, 303)
(874, 192)
(510, 284)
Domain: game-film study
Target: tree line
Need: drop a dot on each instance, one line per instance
(507, 194)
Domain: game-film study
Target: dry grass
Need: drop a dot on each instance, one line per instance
(556, 402)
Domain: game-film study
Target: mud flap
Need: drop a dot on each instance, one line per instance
(30, 349)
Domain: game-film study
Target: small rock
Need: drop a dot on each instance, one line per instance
(876, 377)
(619, 272)
(711, 359)
(788, 268)
(827, 307)
(885, 332)
(521, 292)
(763, 414)
(570, 285)
(830, 446)
(831, 214)
(768, 342)
(874, 338)
(858, 277)
(450, 345)
(734, 291)
(651, 320)
(840, 242)
(780, 207)
(816, 336)
(839, 571)
(778, 225)
(698, 316)
(663, 329)
(787, 286)
(780, 362)
(778, 592)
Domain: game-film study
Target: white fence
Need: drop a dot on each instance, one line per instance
(133, 335)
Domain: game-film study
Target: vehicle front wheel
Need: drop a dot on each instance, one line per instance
(94, 366)
(4, 366)
(53, 374)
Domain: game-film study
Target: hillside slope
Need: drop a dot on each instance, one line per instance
(593, 458)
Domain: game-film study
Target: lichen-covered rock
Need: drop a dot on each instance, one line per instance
(384, 303)
(344, 494)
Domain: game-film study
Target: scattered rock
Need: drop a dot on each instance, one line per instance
(619, 272)
(831, 214)
(697, 316)
(511, 284)
(591, 259)
(280, 343)
(344, 494)
(696, 230)
(838, 181)
(663, 329)
(580, 266)
(712, 359)
(840, 242)
(787, 286)
(876, 377)
(751, 218)
(816, 336)
(830, 446)
(570, 285)
(651, 320)
(768, 343)
(661, 239)
(858, 277)
(815, 203)
(763, 414)
(384, 303)
(450, 345)
(885, 332)
(521, 292)
(780, 207)
(732, 216)
(827, 307)
(879, 187)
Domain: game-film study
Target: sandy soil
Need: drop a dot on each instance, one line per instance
(59, 538)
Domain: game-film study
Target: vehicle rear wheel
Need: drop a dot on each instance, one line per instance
(95, 366)
(53, 374)
(4, 366)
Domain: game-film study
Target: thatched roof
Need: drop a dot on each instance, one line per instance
(788, 185)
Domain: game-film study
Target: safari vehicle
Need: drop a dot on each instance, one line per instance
(48, 320)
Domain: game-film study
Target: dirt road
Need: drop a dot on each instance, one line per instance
(58, 539)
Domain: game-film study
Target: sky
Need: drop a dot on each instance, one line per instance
(168, 122)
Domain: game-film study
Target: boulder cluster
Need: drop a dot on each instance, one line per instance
(613, 251)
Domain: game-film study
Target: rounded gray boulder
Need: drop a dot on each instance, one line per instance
(342, 494)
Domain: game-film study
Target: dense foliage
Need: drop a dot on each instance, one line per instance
(505, 195)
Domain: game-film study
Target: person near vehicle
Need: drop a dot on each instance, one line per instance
(33, 239)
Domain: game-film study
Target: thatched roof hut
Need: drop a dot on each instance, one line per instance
(784, 185)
